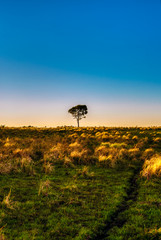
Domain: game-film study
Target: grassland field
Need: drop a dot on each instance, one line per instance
(80, 183)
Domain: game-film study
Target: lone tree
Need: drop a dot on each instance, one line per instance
(78, 112)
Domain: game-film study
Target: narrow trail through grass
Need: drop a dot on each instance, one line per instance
(132, 192)
(80, 183)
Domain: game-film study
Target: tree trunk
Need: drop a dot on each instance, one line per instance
(78, 121)
(78, 118)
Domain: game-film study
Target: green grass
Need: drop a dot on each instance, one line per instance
(80, 199)
(72, 207)
(142, 219)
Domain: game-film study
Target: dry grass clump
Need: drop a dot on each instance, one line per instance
(75, 145)
(117, 133)
(157, 139)
(102, 135)
(44, 187)
(6, 167)
(143, 142)
(68, 162)
(123, 154)
(148, 153)
(18, 152)
(47, 167)
(102, 150)
(112, 153)
(56, 152)
(8, 143)
(2, 236)
(155, 231)
(84, 135)
(7, 201)
(73, 136)
(27, 165)
(78, 153)
(17, 164)
(135, 138)
(79, 156)
(152, 167)
(134, 153)
(111, 156)
(106, 144)
(105, 136)
(102, 158)
(109, 160)
(126, 137)
(118, 145)
(98, 134)
(71, 187)
(116, 153)
(85, 172)
(37, 151)
(50, 157)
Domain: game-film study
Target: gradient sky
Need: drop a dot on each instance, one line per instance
(55, 54)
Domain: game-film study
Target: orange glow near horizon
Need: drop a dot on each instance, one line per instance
(52, 114)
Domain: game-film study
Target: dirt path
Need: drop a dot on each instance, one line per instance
(116, 219)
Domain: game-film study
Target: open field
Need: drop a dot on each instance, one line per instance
(80, 183)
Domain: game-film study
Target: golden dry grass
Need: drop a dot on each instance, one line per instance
(152, 167)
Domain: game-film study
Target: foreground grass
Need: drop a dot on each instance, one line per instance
(72, 205)
(142, 219)
(79, 183)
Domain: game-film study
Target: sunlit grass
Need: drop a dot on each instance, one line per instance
(65, 183)
(152, 167)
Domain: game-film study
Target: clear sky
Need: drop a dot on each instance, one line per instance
(55, 54)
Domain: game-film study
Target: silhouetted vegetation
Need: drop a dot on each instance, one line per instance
(78, 112)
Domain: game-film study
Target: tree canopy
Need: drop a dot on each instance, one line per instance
(78, 112)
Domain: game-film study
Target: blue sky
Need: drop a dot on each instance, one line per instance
(56, 54)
